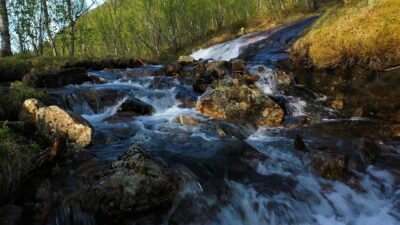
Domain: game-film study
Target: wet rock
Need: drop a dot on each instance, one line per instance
(299, 144)
(228, 129)
(200, 69)
(240, 104)
(283, 78)
(162, 82)
(337, 104)
(98, 99)
(53, 122)
(396, 117)
(173, 70)
(369, 148)
(58, 78)
(239, 68)
(377, 93)
(29, 109)
(10, 215)
(396, 133)
(217, 69)
(329, 166)
(187, 120)
(206, 74)
(185, 59)
(144, 71)
(136, 182)
(297, 122)
(251, 79)
(136, 106)
(42, 203)
(186, 96)
(200, 84)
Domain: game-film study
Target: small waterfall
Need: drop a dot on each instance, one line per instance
(74, 103)
(106, 113)
(231, 49)
(296, 107)
(71, 215)
(267, 82)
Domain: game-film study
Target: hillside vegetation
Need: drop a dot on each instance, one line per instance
(167, 28)
(362, 33)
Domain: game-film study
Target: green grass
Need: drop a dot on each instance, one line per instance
(12, 97)
(363, 33)
(16, 157)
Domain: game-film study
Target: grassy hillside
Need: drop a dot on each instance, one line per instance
(364, 33)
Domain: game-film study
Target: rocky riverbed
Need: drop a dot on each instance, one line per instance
(226, 139)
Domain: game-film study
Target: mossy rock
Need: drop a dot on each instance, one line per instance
(13, 95)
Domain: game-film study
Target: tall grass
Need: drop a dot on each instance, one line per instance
(16, 156)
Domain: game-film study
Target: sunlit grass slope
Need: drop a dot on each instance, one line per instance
(366, 33)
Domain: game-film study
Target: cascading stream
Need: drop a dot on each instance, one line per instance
(277, 187)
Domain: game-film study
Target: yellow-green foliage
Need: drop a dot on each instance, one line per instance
(15, 160)
(364, 32)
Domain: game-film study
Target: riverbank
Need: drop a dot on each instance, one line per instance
(364, 33)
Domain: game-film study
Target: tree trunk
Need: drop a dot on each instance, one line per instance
(72, 29)
(72, 35)
(4, 29)
(47, 27)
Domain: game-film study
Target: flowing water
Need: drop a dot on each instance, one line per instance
(248, 176)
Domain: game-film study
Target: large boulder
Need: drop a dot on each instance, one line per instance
(240, 104)
(53, 122)
(60, 78)
(135, 183)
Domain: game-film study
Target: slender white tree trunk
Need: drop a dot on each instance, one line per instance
(4, 30)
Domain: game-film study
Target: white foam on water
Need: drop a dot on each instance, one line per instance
(107, 113)
(227, 50)
(314, 200)
(267, 82)
(296, 107)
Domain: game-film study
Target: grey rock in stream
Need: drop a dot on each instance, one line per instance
(135, 182)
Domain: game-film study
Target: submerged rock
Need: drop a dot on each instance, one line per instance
(173, 70)
(53, 122)
(136, 182)
(136, 106)
(59, 78)
(240, 104)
